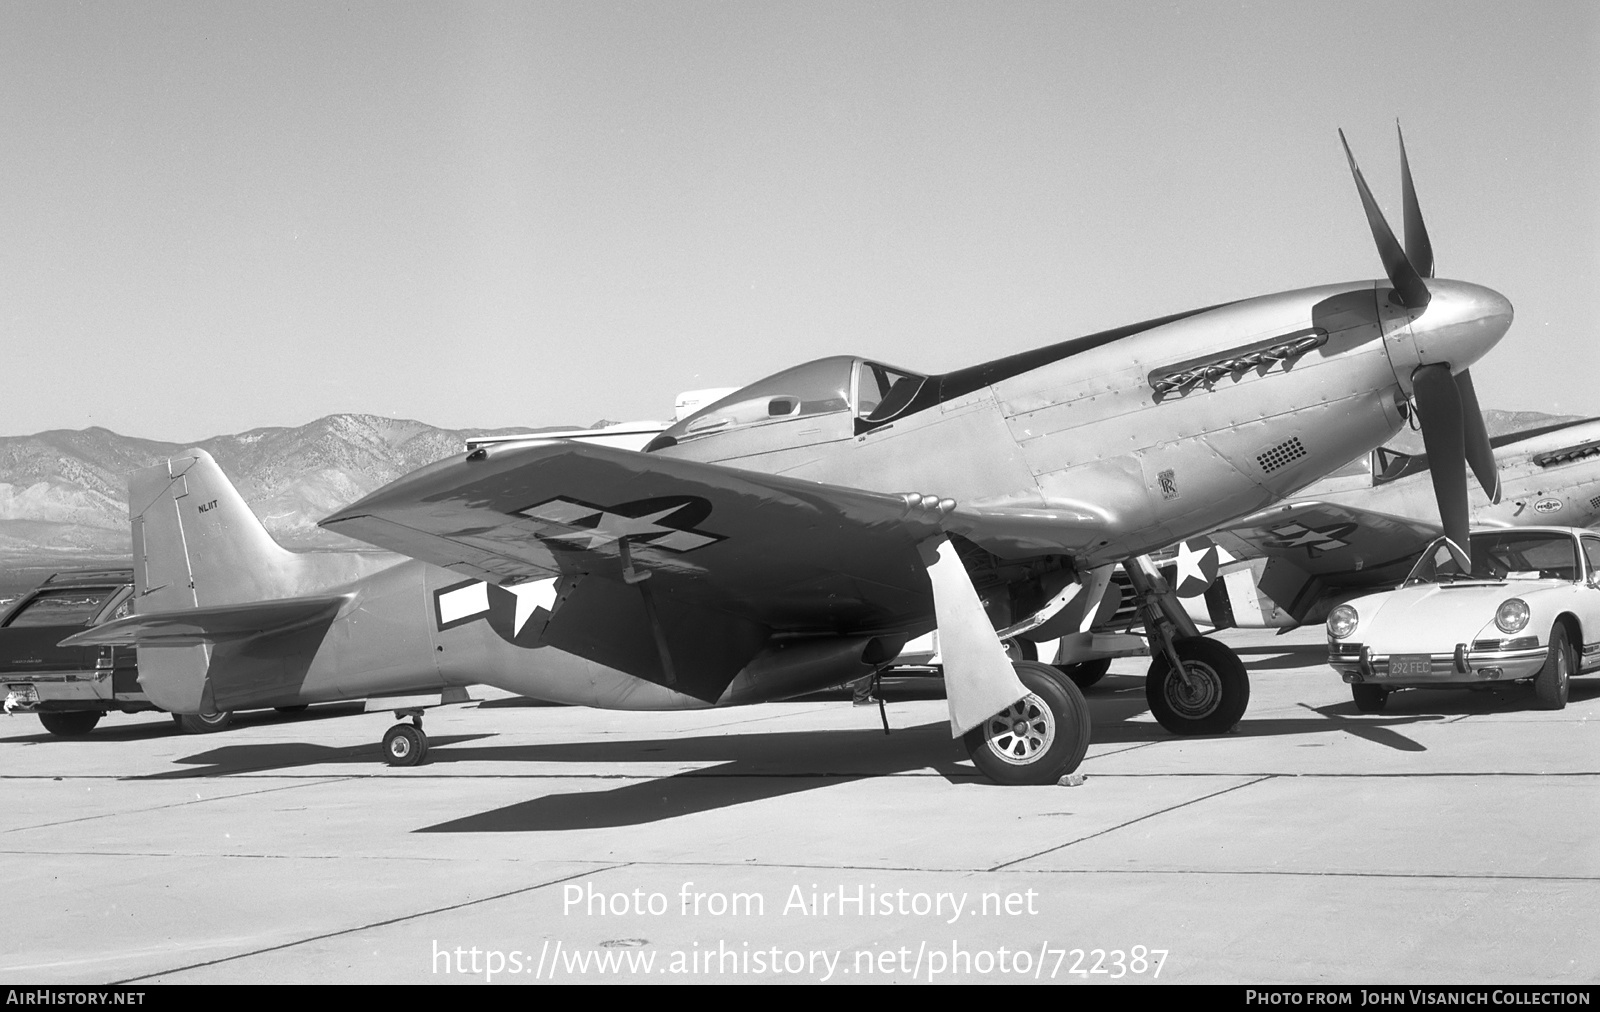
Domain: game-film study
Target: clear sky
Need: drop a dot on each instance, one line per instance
(218, 216)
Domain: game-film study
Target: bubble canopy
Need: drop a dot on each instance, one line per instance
(842, 384)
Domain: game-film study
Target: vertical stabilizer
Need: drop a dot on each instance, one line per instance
(195, 542)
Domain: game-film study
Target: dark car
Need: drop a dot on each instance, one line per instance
(69, 687)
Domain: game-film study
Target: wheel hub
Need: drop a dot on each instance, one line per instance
(1022, 732)
(1197, 697)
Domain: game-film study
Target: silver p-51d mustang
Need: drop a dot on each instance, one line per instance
(794, 534)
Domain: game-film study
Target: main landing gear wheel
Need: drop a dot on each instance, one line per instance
(404, 745)
(1217, 693)
(1369, 698)
(1550, 684)
(1086, 673)
(1038, 739)
(202, 723)
(70, 723)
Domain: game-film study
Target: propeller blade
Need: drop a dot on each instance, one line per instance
(1480, 452)
(1439, 411)
(1419, 250)
(1408, 284)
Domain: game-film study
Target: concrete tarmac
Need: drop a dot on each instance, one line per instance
(1453, 839)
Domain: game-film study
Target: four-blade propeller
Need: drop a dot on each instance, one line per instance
(1453, 430)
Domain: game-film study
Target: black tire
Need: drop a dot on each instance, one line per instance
(1219, 694)
(70, 723)
(1040, 738)
(1370, 698)
(404, 745)
(1086, 673)
(1022, 650)
(1550, 684)
(297, 708)
(202, 723)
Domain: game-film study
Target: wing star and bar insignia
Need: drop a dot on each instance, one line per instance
(640, 522)
(1315, 540)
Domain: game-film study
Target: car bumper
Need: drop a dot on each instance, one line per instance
(71, 691)
(1471, 667)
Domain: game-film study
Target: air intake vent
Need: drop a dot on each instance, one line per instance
(1594, 503)
(1281, 455)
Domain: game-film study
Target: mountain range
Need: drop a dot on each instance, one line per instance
(63, 493)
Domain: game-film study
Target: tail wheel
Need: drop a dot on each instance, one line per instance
(1370, 698)
(1086, 673)
(203, 723)
(1038, 739)
(404, 745)
(1550, 684)
(1213, 700)
(70, 723)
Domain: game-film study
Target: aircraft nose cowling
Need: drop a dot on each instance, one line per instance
(1460, 324)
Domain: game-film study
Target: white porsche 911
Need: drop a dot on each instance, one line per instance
(1529, 611)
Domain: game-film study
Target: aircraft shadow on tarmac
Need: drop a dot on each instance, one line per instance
(1121, 698)
(758, 765)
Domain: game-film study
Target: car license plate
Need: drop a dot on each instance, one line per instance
(1410, 665)
(22, 693)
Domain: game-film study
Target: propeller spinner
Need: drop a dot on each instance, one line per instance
(1453, 430)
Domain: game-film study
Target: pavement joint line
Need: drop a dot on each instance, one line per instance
(602, 868)
(1130, 822)
(1130, 748)
(365, 927)
(176, 804)
(267, 857)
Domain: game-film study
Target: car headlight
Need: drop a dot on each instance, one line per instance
(1342, 621)
(1512, 615)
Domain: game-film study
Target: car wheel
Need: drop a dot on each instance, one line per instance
(71, 723)
(1550, 684)
(1038, 739)
(1370, 698)
(1086, 673)
(202, 723)
(1217, 693)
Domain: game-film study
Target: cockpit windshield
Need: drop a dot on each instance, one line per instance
(822, 387)
(882, 392)
(1503, 555)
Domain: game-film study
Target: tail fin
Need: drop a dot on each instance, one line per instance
(197, 545)
(195, 542)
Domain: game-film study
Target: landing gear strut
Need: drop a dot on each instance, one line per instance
(1195, 685)
(406, 744)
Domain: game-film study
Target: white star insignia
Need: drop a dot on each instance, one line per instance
(530, 597)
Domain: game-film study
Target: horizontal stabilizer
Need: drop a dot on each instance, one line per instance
(225, 623)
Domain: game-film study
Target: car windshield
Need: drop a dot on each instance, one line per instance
(1502, 555)
(61, 607)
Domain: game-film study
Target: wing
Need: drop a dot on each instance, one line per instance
(733, 558)
(776, 549)
(1318, 552)
(1342, 544)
